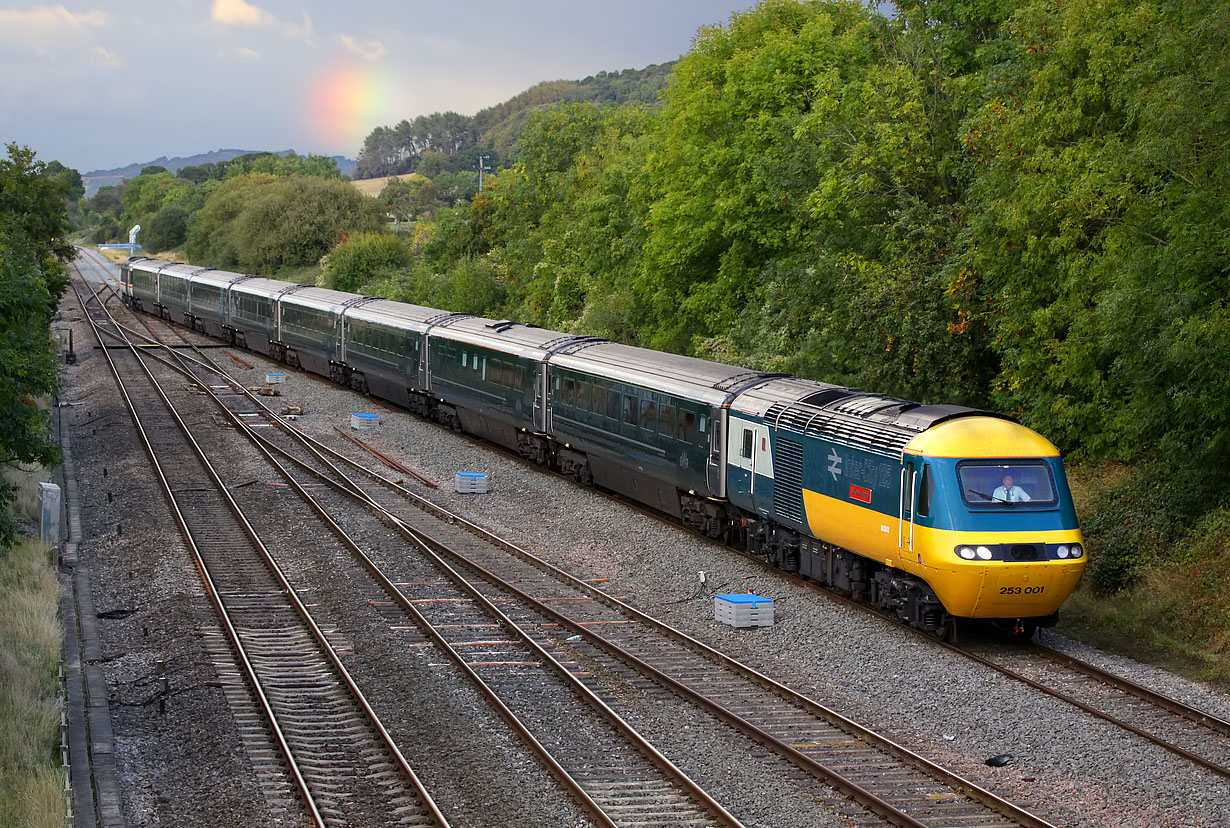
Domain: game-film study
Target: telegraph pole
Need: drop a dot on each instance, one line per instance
(482, 168)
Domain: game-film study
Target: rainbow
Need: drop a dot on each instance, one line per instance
(346, 100)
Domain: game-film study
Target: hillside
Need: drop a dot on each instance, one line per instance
(104, 178)
(448, 140)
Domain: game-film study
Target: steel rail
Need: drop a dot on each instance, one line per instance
(575, 788)
(210, 588)
(357, 695)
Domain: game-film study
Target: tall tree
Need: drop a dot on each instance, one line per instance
(33, 220)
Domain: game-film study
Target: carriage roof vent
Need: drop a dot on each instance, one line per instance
(501, 325)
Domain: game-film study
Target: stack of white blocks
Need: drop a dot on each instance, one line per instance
(364, 421)
(743, 610)
(471, 482)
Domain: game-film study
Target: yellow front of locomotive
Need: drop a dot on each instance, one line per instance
(1000, 539)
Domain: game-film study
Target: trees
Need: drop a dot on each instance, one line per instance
(33, 220)
(363, 258)
(167, 230)
(261, 223)
(1102, 223)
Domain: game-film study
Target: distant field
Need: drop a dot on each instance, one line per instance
(373, 186)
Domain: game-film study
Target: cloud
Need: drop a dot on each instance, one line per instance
(44, 27)
(109, 58)
(366, 49)
(243, 13)
(250, 54)
(239, 13)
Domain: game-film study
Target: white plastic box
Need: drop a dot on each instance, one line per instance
(364, 421)
(743, 610)
(471, 482)
(274, 378)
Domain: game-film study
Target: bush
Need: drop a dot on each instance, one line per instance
(363, 258)
(1135, 520)
(167, 230)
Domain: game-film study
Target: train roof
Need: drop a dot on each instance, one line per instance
(697, 379)
(259, 286)
(398, 314)
(502, 335)
(876, 422)
(324, 299)
(179, 270)
(218, 278)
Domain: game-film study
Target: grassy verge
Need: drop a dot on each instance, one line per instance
(31, 783)
(1174, 609)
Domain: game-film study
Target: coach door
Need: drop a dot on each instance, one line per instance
(910, 470)
(716, 468)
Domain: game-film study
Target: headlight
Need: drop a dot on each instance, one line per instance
(966, 552)
(1077, 551)
(984, 553)
(1062, 552)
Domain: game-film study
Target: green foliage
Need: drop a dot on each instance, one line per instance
(261, 223)
(1102, 218)
(32, 211)
(74, 188)
(168, 229)
(363, 258)
(408, 199)
(445, 142)
(33, 219)
(314, 166)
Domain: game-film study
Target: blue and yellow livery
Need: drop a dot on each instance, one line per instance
(931, 512)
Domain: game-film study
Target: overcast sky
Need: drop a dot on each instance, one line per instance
(100, 84)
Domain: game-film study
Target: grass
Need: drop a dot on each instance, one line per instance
(1175, 612)
(31, 782)
(373, 186)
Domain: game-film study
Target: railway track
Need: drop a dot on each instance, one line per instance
(614, 773)
(897, 786)
(1196, 735)
(1203, 734)
(343, 763)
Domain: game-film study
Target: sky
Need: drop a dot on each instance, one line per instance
(98, 84)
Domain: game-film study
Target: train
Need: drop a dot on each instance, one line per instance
(932, 513)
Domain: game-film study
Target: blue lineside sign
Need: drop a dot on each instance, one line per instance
(124, 246)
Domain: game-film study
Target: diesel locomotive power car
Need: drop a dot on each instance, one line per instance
(933, 512)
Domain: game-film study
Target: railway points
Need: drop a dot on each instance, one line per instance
(614, 669)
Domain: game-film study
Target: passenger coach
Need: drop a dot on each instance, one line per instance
(902, 504)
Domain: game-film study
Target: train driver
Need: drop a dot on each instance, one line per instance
(1008, 493)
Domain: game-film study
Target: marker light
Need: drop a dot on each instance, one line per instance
(1077, 551)
(966, 552)
(984, 553)
(1062, 552)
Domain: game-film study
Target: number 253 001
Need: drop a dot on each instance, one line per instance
(1035, 590)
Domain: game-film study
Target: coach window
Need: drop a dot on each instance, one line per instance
(746, 451)
(630, 409)
(613, 398)
(666, 420)
(649, 416)
(570, 390)
(687, 426)
(465, 359)
(582, 403)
